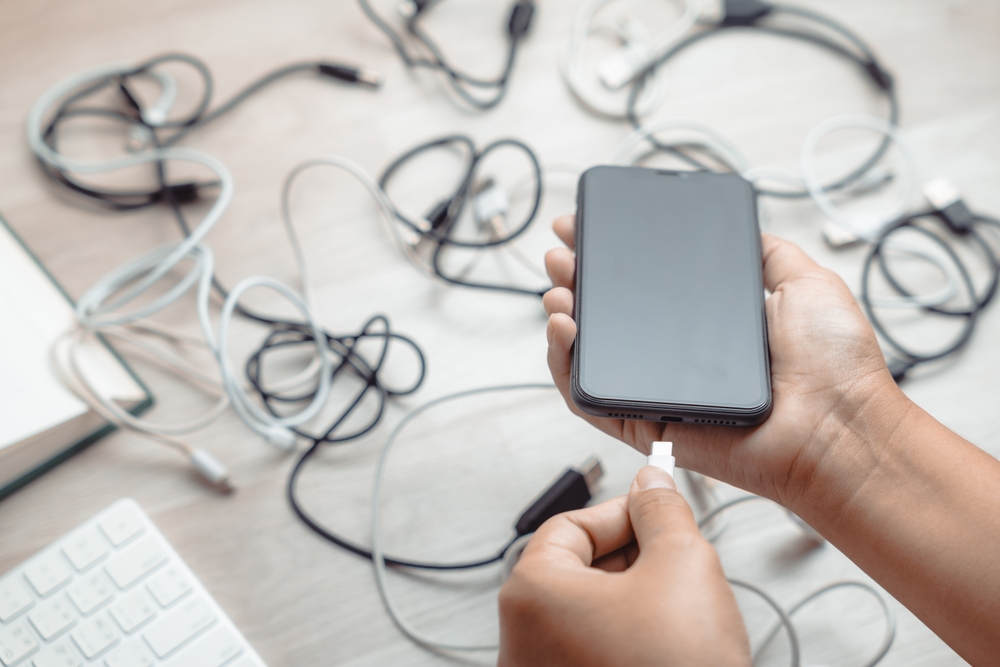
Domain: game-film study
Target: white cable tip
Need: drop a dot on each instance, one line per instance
(154, 116)
(662, 456)
(211, 468)
(279, 436)
(619, 68)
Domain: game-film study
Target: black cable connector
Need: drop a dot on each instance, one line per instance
(520, 18)
(881, 77)
(898, 368)
(440, 214)
(184, 193)
(744, 12)
(365, 77)
(949, 206)
(570, 492)
(958, 217)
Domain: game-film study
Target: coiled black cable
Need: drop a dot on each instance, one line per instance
(460, 82)
(905, 358)
(444, 216)
(350, 360)
(746, 15)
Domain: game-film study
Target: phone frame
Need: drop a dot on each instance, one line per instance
(689, 413)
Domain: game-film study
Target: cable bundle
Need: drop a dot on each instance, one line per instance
(120, 304)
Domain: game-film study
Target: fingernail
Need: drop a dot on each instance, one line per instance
(651, 477)
(549, 332)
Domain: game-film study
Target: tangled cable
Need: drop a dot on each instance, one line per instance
(902, 357)
(461, 83)
(489, 205)
(121, 302)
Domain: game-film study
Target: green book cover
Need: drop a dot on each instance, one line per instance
(60, 452)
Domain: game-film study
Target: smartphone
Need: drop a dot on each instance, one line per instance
(669, 298)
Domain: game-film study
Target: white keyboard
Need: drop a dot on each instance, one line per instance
(114, 593)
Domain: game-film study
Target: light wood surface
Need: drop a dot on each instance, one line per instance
(462, 474)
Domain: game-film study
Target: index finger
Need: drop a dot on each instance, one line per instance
(582, 536)
(784, 261)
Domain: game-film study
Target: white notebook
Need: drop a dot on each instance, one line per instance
(43, 423)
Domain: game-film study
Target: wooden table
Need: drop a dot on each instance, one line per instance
(462, 474)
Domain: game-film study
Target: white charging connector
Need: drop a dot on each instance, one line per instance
(489, 206)
(661, 455)
(211, 468)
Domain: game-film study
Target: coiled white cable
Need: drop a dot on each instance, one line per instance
(867, 226)
(105, 304)
(595, 91)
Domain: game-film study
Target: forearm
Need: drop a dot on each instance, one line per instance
(918, 508)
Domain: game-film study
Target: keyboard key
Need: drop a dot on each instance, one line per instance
(133, 609)
(90, 591)
(16, 642)
(168, 586)
(172, 629)
(85, 548)
(52, 617)
(216, 648)
(135, 561)
(47, 573)
(121, 525)
(130, 655)
(95, 636)
(14, 598)
(59, 654)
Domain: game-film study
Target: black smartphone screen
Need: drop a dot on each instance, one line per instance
(670, 298)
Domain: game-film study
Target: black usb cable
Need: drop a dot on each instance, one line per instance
(570, 491)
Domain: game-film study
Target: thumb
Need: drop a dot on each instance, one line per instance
(661, 519)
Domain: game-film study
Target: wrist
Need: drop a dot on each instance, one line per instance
(847, 450)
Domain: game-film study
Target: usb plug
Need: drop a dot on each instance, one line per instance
(570, 492)
(947, 202)
(358, 75)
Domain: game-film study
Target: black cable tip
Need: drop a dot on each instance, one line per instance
(881, 77)
(439, 215)
(744, 12)
(182, 193)
(520, 18)
(898, 369)
(359, 75)
(570, 492)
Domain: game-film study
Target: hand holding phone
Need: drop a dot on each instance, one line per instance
(828, 376)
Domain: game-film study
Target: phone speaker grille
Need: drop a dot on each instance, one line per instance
(624, 415)
(721, 422)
